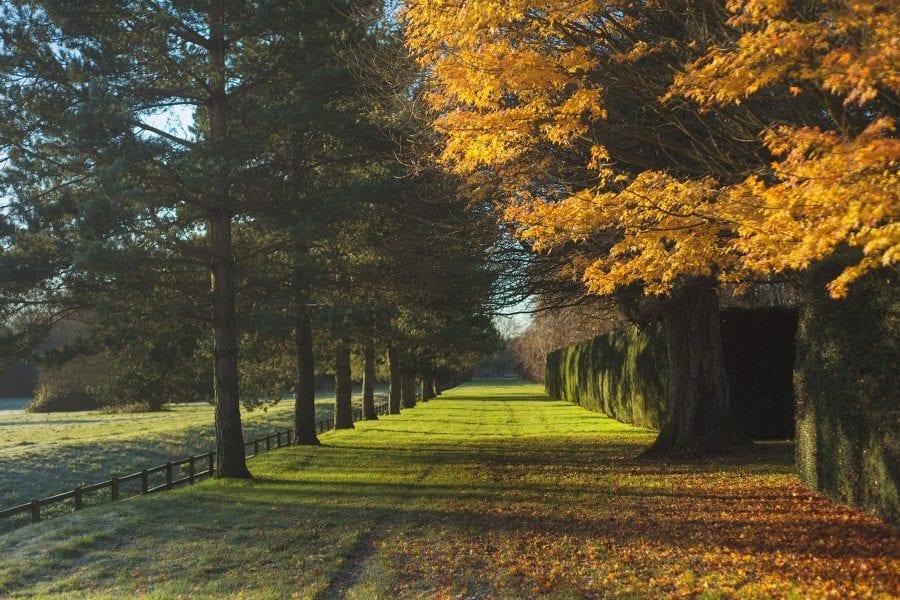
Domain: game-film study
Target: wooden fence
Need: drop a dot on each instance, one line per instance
(188, 472)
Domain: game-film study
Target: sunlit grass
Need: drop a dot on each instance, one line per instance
(45, 453)
(490, 491)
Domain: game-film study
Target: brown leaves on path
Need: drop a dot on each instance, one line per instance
(596, 525)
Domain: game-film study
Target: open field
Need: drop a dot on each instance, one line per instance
(45, 453)
(490, 491)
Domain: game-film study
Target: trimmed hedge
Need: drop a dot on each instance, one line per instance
(624, 374)
(848, 403)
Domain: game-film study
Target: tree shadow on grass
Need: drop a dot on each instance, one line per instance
(612, 504)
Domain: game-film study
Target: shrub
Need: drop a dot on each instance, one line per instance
(61, 398)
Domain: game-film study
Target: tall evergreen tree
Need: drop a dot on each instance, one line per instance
(85, 93)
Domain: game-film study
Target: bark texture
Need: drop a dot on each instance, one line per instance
(230, 460)
(700, 422)
(343, 401)
(396, 385)
(368, 383)
(427, 388)
(305, 405)
(408, 390)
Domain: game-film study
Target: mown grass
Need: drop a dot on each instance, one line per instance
(490, 491)
(45, 453)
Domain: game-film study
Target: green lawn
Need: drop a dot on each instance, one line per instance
(491, 490)
(45, 453)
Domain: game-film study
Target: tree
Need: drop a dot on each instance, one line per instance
(89, 82)
(321, 164)
(561, 100)
(835, 182)
(589, 116)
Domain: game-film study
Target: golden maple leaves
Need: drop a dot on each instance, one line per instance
(511, 78)
(827, 187)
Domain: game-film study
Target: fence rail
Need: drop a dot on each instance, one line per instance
(189, 465)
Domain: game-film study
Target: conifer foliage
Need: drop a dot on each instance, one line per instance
(214, 163)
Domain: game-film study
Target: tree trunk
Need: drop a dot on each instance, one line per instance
(368, 382)
(230, 460)
(435, 387)
(408, 390)
(396, 385)
(427, 388)
(305, 405)
(343, 390)
(700, 422)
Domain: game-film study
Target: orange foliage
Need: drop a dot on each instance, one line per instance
(830, 187)
(511, 80)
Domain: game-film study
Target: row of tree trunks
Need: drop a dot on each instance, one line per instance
(700, 424)
(343, 388)
(402, 391)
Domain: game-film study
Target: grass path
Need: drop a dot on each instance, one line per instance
(490, 491)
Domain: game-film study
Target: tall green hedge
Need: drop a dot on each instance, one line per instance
(848, 393)
(621, 374)
(624, 374)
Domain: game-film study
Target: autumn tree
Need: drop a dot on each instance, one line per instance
(561, 100)
(835, 181)
(588, 113)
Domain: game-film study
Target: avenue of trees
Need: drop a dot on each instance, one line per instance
(260, 191)
(216, 190)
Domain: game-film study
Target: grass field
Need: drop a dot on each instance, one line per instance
(489, 491)
(41, 454)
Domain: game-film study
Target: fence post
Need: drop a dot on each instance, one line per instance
(145, 481)
(212, 463)
(77, 498)
(268, 442)
(35, 511)
(289, 437)
(168, 475)
(278, 439)
(191, 469)
(114, 488)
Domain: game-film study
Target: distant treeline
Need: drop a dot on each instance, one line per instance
(18, 381)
